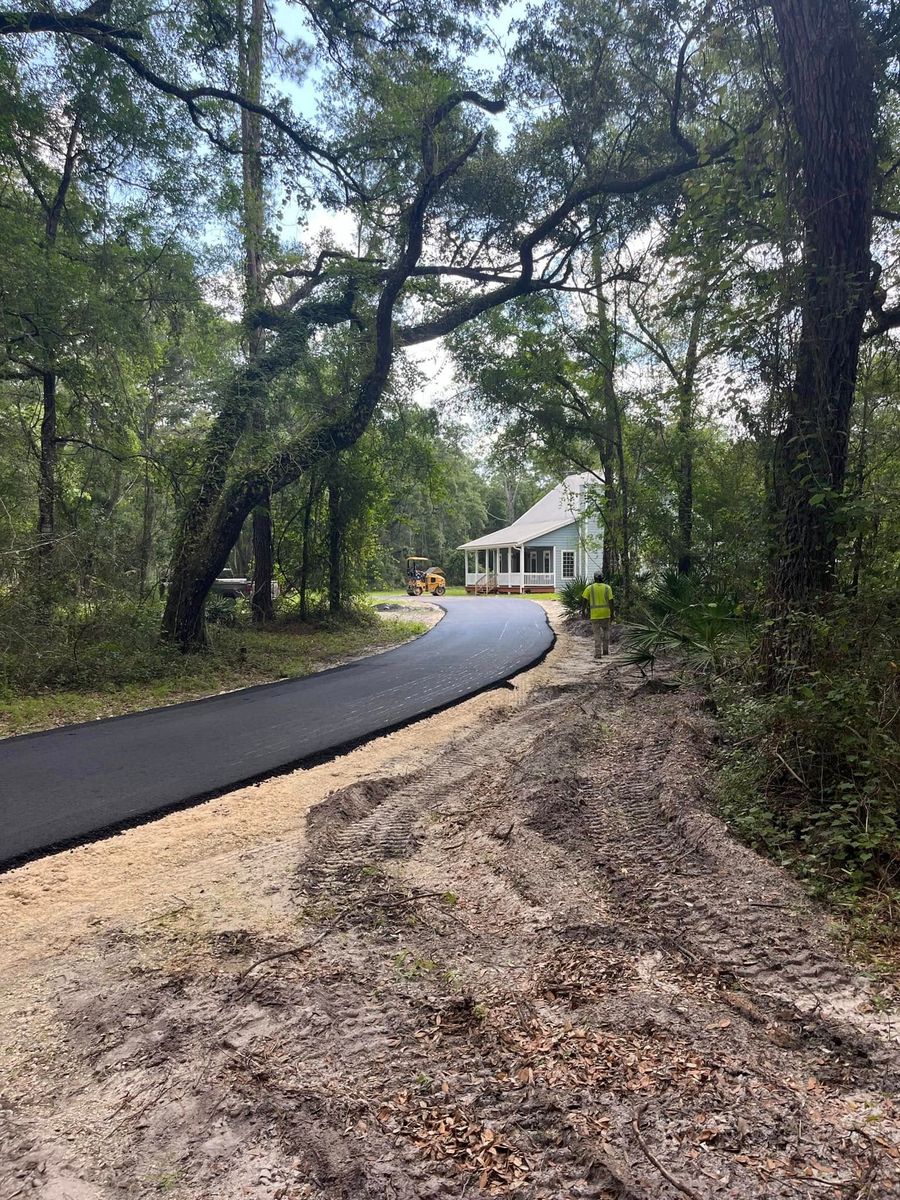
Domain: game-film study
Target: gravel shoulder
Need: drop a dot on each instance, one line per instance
(507, 950)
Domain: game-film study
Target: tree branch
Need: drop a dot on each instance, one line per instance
(105, 36)
(525, 283)
(77, 24)
(675, 129)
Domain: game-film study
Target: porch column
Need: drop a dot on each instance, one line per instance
(466, 576)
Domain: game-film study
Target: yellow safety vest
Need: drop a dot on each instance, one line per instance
(599, 596)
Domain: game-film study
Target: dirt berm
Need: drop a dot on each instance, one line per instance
(512, 953)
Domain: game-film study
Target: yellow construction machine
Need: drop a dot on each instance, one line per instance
(420, 577)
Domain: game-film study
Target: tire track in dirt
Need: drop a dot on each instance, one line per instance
(523, 970)
(662, 860)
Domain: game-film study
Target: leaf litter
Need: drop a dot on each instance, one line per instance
(529, 964)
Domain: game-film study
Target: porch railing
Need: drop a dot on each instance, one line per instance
(486, 583)
(539, 579)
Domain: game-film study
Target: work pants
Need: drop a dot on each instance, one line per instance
(600, 625)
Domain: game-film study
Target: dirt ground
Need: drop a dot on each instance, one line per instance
(506, 951)
(401, 608)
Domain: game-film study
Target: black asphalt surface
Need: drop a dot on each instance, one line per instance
(66, 784)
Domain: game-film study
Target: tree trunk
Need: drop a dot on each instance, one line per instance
(304, 559)
(197, 565)
(859, 485)
(335, 547)
(145, 549)
(686, 410)
(615, 541)
(510, 485)
(262, 601)
(49, 446)
(148, 501)
(624, 509)
(250, 58)
(831, 90)
(48, 456)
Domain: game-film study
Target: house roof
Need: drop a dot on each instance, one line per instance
(557, 509)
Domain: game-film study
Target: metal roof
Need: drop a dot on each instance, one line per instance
(557, 509)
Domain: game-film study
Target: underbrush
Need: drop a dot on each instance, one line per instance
(710, 632)
(95, 658)
(570, 595)
(809, 775)
(812, 776)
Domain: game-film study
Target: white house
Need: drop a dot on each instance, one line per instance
(553, 542)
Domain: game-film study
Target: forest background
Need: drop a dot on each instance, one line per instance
(650, 239)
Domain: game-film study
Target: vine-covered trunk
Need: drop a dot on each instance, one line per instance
(262, 602)
(305, 556)
(200, 556)
(829, 74)
(47, 482)
(335, 547)
(685, 468)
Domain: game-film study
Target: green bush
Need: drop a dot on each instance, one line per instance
(709, 631)
(570, 596)
(79, 642)
(811, 776)
(221, 610)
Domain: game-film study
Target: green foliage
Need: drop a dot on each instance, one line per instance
(98, 657)
(709, 632)
(811, 776)
(108, 638)
(570, 596)
(221, 610)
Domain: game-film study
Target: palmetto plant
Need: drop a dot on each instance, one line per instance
(709, 631)
(570, 596)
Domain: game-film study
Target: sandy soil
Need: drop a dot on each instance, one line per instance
(409, 608)
(505, 951)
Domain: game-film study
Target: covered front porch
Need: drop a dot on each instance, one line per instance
(511, 569)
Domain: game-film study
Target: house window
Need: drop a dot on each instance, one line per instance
(568, 564)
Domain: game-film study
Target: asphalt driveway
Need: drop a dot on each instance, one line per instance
(68, 783)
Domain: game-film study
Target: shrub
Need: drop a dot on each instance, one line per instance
(221, 610)
(811, 775)
(570, 596)
(709, 631)
(79, 642)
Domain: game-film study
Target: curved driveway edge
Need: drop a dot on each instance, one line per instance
(64, 784)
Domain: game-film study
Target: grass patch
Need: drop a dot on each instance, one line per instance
(398, 593)
(118, 666)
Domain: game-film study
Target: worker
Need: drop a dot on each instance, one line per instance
(597, 599)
